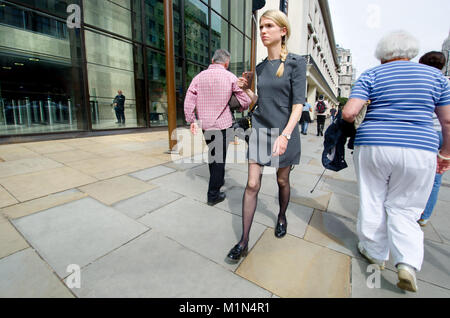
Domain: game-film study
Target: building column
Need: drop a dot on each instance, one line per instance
(312, 92)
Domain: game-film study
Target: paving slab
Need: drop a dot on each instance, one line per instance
(267, 210)
(444, 194)
(71, 156)
(441, 220)
(153, 266)
(435, 267)
(317, 200)
(203, 229)
(10, 240)
(144, 203)
(24, 166)
(38, 184)
(117, 189)
(186, 183)
(152, 173)
(292, 267)
(347, 174)
(343, 205)
(364, 277)
(348, 188)
(117, 165)
(185, 164)
(132, 146)
(45, 147)
(430, 233)
(446, 179)
(334, 232)
(6, 199)
(16, 152)
(77, 233)
(25, 275)
(44, 203)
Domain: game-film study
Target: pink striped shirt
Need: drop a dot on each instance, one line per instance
(209, 94)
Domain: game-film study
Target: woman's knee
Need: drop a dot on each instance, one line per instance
(253, 185)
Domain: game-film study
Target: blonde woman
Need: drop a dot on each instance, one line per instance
(275, 138)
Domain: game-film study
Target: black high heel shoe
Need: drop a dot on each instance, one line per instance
(281, 229)
(236, 253)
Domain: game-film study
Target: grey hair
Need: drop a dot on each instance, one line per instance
(395, 45)
(221, 56)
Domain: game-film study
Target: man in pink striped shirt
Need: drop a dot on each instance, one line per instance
(206, 107)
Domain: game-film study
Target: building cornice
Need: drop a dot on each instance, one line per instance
(325, 8)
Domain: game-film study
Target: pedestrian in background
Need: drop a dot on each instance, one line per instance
(333, 112)
(395, 152)
(207, 97)
(305, 120)
(275, 137)
(321, 108)
(437, 60)
(119, 107)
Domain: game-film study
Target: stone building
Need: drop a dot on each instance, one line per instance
(346, 75)
(446, 51)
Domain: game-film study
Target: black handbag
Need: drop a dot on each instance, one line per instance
(234, 104)
(242, 125)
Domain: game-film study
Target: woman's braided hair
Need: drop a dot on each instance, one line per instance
(282, 21)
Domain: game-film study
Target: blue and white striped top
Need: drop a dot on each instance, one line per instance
(403, 97)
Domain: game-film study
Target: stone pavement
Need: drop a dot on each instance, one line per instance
(135, 220)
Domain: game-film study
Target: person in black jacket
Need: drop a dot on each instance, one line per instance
(119, 107)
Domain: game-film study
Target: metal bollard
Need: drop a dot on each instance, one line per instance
(13, 103)
(19, 105)
(41, 110)
(50, 112)
(69, 109)
(35, 112)
(3, 110)
(61, 119)
(28, 110)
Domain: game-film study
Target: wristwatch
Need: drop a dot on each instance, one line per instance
(288, 137)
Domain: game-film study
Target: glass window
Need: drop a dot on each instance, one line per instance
(196, 23)
(109, 16)
(155, 23)
(30, 100)
(157, 88)
(110, 68)
(219, 33)
(56, 7)
(221, 7)
(237, 14)
(248, 17)
(237, 52)
(248, 52)
(31, 21)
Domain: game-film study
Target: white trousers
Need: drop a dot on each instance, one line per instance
(394, 186)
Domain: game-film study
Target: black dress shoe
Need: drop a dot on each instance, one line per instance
(281, 229)
(236, 253)
(219, 199)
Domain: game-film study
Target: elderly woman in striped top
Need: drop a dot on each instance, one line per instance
(396, 152)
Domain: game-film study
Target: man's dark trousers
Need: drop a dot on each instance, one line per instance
(217, 141)
(320, 124)
(120, 114)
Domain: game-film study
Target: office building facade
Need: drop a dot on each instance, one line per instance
(58, 77)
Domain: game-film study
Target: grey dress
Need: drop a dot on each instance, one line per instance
(276, 95)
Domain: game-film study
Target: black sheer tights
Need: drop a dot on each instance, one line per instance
(250, 199)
